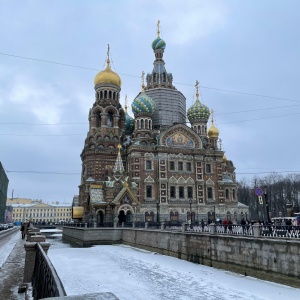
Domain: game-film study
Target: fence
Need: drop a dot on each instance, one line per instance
(45, 281)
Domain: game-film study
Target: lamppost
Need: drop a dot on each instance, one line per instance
(267, 203)
(157, 212)
(190, 201)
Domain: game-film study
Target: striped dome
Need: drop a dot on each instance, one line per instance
(129, 122)
(158, 44)
(143, 104)
(198, 112)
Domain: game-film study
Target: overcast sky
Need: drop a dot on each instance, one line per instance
(249, 48)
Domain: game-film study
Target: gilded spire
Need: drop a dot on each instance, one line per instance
(158, 28)
(197, 90)
(125, 103)
(108, 60)
(143, 85)
(119, 168)
(212, 117)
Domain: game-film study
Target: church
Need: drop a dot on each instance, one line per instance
(164, 163)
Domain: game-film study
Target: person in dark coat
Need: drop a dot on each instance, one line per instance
(24, 229)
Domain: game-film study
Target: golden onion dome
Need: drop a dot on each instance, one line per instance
(107, 76)
(224, 158)
(213, 132)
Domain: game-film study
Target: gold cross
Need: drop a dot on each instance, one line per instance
(158, 31)
(197, 91)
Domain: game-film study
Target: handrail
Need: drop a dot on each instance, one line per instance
(45, 281)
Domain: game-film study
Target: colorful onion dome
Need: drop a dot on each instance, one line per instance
(129, 123)
(143, 104)
(198, 112)
(158, 43)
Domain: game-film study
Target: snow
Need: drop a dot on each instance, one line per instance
(132, 273)
(6, 246)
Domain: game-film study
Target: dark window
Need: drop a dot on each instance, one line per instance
(172, 192)
(110, 120)
(227, 193)
(172, 166)
(149, 191)
(209, 193)
(208, 168)
(181, 192)
(180, 166)
(233, 194)
(190, 192)
(148, 164)
(188, 166)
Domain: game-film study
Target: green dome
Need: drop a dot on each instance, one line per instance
(198, 112)
(143, 104)
(129, 123)
(158, 44)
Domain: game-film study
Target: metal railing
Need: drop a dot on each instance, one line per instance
(285, 231)
(231, 229)
(45, 281)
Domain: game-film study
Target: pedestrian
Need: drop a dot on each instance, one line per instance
(202, 225)
(243, 223)
(24, 229)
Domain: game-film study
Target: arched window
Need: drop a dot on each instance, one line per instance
(233, 194)
(164, 77)
(110, 119)
(114, 95)
(199, 131)
(109, 95)
(142, 124)
(146, 124)
(154, 77)
(99, 120)
(227, 194)
(101, 95)
(105, 94)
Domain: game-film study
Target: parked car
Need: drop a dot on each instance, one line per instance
(4, 226)
(10, 225)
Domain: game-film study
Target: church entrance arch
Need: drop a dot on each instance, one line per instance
(100, 217)
(125, 214)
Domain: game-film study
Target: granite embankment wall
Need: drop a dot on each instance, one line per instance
(266, 258)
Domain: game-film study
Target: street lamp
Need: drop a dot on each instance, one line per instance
(265, 189)
(157, 212)
(190, 201)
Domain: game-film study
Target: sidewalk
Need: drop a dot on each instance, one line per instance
(12, 272)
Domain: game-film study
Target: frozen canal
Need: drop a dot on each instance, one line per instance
(132, 273)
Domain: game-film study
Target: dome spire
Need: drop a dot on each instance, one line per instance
(197, 91)
(126, 103)
(143, 79)
(107, 59)
(220, 144)
(158, 28)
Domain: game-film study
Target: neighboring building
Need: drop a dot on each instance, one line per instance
(10, 201)
(3, 194)
(154, 167)
(41, 212)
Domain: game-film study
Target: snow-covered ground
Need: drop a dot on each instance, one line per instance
(134, 274)
(131, 273)
(7, 244)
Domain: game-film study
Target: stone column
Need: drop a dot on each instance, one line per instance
(162, 225)
(256, 230)
(212, 227)
(30, 249)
